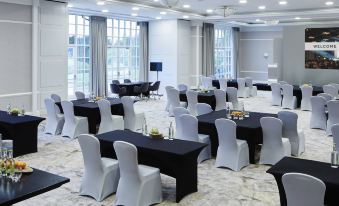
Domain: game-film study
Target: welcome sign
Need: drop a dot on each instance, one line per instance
(322, 48)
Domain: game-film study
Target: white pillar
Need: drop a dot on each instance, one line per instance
(35, 56)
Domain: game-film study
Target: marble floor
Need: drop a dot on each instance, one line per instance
(218, 187)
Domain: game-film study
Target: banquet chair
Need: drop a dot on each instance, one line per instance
(335, 134)
(289, 101)
(182, 87)
(108, 121)
(74, 125)
(333, 115)
(178, 111)
(303, 190)
(335, 85)
(327, 97)
(190, 133)
(220, 99)
(168, 103)
(154, 88)
(249, 84)
(306, 92)
(318, 115)
(223, 84)
(290, 131)
(55, 120)
(274, 147)
(174, 100)
(132, 121)
(232, 96)
(138, 184)
(332, 90)
(145, 89)
(115, 81)
(232, 153)
(276, 94)
(282, 83)
(101, 175)
(57, 99)
(192, 101)
(207, 82)
(203, 108)
(243, 91)
(116, 89)
(142, 90)
(80, 95)
(127, 81)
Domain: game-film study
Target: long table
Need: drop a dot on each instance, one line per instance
(175, 158)
(203, 97)
(320, 170)
(23, 130)
(84, 108)
(230, 83)
(29, 186)
(248, 129)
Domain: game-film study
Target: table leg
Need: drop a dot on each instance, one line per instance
(283, 201)
(251, 148)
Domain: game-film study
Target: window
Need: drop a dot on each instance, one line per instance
(122, 50)
(79, 66)
(223, 53)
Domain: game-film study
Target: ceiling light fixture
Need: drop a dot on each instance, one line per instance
(186, 6)
(272, 22)
(169, 3)
(158, 17)
(163, 13)
(104, 11)
(282, 2)
(329, 3)
(297, 18)
(70, 5)
(134, 14)
(185, 17)
(262, 7)
(242, 1)
(100, 3)
(209, 10)
(135, 8)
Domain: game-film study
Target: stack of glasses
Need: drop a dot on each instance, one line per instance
(7, 166)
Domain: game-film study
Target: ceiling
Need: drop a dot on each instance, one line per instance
(245, 14)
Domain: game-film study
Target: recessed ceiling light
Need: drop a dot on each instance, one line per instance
(329, 3)
(135, 8)
(258, 20)
(262, 7)
(209, 10)
(158, 17)
(155, 0)
(70, 5)
(134, 14)
(242, 1)
(104, 11)
(282, 2)
(163, 13)
(100, 3)
(185, 17)
(297, 18)
(186, 6)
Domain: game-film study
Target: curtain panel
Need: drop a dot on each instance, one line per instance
(144, 51)
(235, 51)
(208, 50)
(98, 31)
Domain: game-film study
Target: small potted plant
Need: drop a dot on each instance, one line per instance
(155, 134)
(15, 112)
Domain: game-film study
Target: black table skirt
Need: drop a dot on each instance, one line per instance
(230, 83)
(320, 170)
(208, 98)
(248, 129)
(176, 158)
(130, 87)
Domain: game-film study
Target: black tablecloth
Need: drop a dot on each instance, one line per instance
(208, 98)
(130, 87)
(230, 83)
(84, 108)
(23, 130)
(248, 129)
(175, 158)
(321, 170)
(297, 92)
(29, 186)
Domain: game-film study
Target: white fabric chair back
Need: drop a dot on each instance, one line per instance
(327, 97)
(56, 98)
(335, 85)
(303, 190)
(166, 89)
(220, 97)
(129, 113)
(190, 123)
(272, 131)
(232, 94)
(173, 98)
(178, 111)
(249, 82)
(127, 155)
(318, 116)
(227, 134)
(192, 101)
(241, 83)
(307, 93)
(207, 82)
(105, 110)
(290, 125)
(223, 84)
(79, 95)
(51, 109)
(335, 134)
(182, 87)
(287, 91)
(90, 148)
(68, 109)
(333, 113)
(276, 94)
(282, 82)
(332, 90)
(203, 108)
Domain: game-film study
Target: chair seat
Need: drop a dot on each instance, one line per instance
(147, 172)
(117, 117)
(287, 146)
(80, 118)
(60, 116)
(183, 104)
(203, 138)
(241, 143)
(109, 163)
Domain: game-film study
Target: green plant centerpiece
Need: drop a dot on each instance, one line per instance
(155, 134)
(15, 112)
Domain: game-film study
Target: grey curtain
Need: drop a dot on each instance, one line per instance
(235, 51)
(208, 50)
(98, 27)
(144, 53)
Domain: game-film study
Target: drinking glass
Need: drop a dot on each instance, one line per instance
(144, 129)
(16, 176)
(9, 163)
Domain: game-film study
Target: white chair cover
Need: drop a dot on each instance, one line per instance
(290, 131)
(303, 190)
(101, 175)
(220, 98)
(203, 108)
(307, 92)
(289, 101)
(182, 87)
(318, 116)
(79, 95)
(55, 121)
(108, 121)
(232, 153)
(335, 134)
(174, 100)
(178, 111)
(232, 97)
(138, 184)
(276, 94)
(167, 104)
(249, 84)
(223, 84)
(192, 101)
(331, 90)
(282, 82)
(190, 133)
(274, 147)
(132, 121)
(333, 115)
(74, 125)
(327, 97)
(243, 91)
(207, 82)
(56, 99)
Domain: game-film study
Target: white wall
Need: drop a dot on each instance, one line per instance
(184, 69)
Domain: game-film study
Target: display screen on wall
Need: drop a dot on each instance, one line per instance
(322, 48)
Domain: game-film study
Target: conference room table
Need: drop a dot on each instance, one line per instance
(320, 170)
(298, 94)
(86, 108)
(248, 129)
(23, 130)
(175, 158)
(130, 87)
(30, 185)
(203, 97)
(230, 83)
